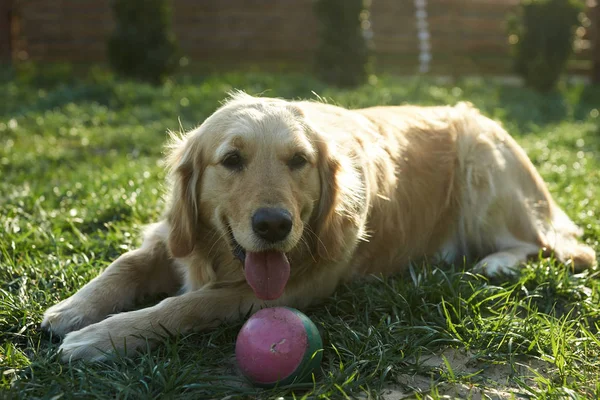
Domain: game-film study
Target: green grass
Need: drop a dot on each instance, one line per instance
(81, 172)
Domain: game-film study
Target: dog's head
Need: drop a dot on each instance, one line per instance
(257, 174)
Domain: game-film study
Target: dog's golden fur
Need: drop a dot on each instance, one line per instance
(375, 189)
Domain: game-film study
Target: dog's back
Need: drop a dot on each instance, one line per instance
(449, 183)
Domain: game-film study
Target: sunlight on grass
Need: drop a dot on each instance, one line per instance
(82, 172)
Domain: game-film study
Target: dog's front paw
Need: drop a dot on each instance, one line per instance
(92, 343)
(117, 334)
(69, 315)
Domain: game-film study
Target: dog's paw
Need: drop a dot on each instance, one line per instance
(92, 343)
(498, 264)
(68, 315)
(119, 334)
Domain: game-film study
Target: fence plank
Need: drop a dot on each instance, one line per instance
(465, 35)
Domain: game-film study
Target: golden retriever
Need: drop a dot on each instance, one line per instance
(275, 202)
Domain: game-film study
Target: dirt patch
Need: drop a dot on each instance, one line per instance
(469, 377)
(472, 377)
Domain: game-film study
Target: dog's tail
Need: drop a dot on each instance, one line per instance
(562, 237)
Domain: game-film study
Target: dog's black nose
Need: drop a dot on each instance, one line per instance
(272, 224)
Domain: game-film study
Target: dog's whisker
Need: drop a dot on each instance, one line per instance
(323, 245)
(215, 232)
(306, 244)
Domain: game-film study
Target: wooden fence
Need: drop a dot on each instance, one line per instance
(464, 36)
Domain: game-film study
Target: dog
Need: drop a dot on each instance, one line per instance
(274, 202)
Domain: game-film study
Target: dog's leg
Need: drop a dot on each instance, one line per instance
(138, 273)
(507, 261)
(205, 308)
(129, 331)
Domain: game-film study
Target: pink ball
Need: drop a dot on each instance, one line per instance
(277, 346)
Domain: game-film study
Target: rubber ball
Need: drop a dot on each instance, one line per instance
(278, 346)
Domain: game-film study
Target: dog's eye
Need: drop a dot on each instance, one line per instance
(233, 161)
(297, 162)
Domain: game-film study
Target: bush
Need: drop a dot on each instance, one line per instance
(342, 57)
(543, 40)
(44, 75)
(142, 45)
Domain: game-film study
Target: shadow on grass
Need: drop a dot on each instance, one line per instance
(193, 98)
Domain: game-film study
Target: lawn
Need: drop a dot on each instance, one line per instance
(81, 172)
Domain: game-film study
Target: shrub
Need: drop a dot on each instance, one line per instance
(543, 40)
(142, 45)
(44, 75)
(342, 56)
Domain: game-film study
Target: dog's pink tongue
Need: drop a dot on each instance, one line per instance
(267, 272)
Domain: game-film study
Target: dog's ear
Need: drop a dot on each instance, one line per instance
(186, 168)
(325, 222)
(338, 211)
